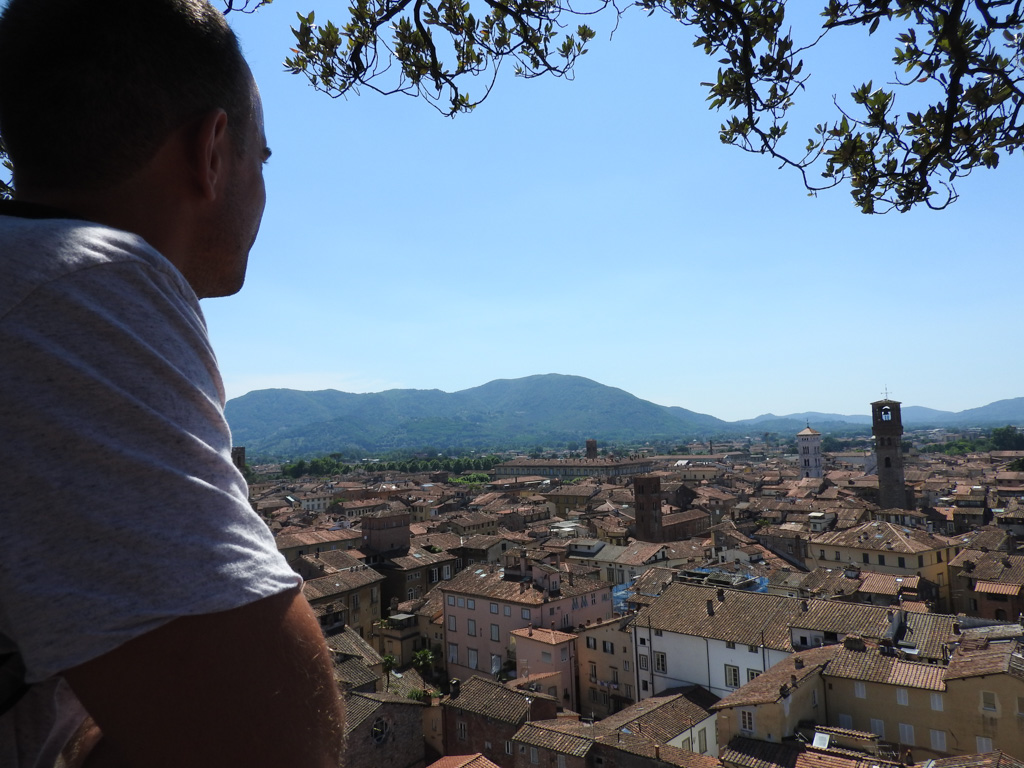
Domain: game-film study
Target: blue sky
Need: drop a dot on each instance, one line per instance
(599, 228)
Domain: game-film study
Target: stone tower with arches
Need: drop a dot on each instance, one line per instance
(808, 448)
(887, 428)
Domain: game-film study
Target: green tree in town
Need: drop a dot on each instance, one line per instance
(830, 444)
(1007, 438)
(423, 662)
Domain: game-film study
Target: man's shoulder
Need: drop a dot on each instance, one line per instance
(38, 252)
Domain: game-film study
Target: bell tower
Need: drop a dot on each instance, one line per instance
(887, 428)
(809, 449)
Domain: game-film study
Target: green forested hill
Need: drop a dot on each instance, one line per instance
(550, 409)
(546, 409)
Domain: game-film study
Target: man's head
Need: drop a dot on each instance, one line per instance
(141, 114)
(90, 88)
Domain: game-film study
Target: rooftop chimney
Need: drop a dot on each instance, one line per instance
(721, 595)
(854, 643)
(798, 662)
(711, 608)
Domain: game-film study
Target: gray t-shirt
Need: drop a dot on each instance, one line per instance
(121, 508)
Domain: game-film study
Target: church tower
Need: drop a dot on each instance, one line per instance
(887, 427)
(808, 447)
(647, 506)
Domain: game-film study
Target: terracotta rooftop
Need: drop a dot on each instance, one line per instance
(484, 582)
(361, 706)
(986, 659)
(888, 583)
(768, 687)
(349, 643)
(986, 760)
(567, 737)
(743, 752)
(990, 537)
(339, 582)
(929, 632)
(312, 538)
(353, 673)
(753, 618)
(650, 584)
(463, 761)
(575, 738)
(541, 635)
(662, 718)
(654, 752)
(883, 537)
(997, 567)
(871, 666)
(638, 553)
(445, 541)
(417, 557)
(682, 609)
(491, 699)
(332, 560)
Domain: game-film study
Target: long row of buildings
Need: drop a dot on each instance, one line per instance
(710, 611)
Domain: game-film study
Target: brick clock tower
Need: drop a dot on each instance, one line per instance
(887, 427)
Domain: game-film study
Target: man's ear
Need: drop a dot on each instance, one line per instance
(210, 149)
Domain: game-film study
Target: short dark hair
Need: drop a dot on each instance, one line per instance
(90, 89)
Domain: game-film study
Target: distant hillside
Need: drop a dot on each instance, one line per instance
(544, 409)
(550, 409)
(995, 414)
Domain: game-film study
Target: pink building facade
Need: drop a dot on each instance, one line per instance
(483, 605)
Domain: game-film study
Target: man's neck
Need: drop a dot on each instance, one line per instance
(29, 210)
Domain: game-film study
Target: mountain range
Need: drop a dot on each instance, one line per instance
(548, 409)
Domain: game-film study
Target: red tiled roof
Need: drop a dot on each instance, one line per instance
(995, 588)
(743, 752)
(463, 761)
(546, 636)
(986, 659)
(871, 666)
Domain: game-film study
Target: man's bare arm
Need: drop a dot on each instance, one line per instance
(251, 686)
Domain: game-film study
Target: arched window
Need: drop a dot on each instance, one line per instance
(886, 414)
(888, 462)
